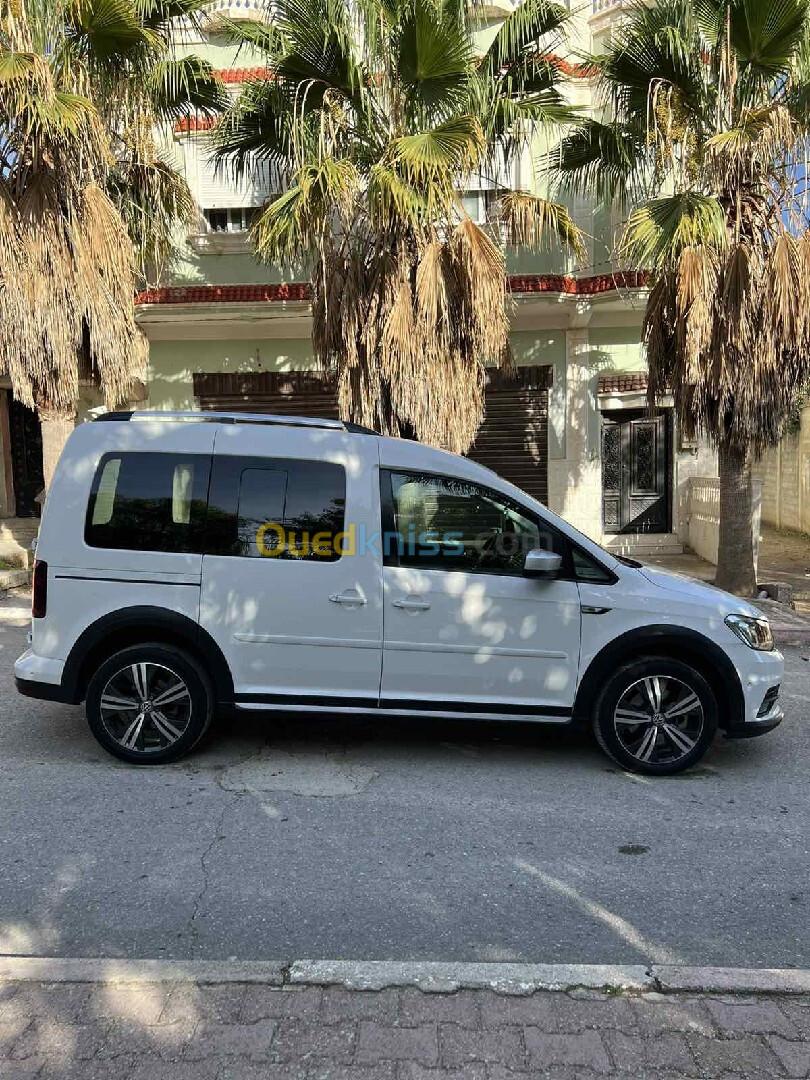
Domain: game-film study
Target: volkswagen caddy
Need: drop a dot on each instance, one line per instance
(189, 564)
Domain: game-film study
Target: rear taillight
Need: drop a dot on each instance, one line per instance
(39, 602)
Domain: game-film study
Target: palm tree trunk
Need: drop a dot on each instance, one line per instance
(57, 425)
(735, 556)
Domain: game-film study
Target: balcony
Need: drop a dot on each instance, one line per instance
(238, 10)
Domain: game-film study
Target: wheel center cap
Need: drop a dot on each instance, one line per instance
(658, 719)
(147, 706)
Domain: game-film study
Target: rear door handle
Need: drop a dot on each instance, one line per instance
(349, 599)
(412, 605)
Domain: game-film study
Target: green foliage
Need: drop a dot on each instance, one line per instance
(377, 116)
(702, 142)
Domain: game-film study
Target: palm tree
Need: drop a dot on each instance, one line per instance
(703, 142)
(82, 83)
(376, 115)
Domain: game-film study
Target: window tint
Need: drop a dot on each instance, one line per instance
(148, 502)
(261, 507)
(261, 499)
(442, 523)
(587, 568)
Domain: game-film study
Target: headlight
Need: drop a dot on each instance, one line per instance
(756, 633)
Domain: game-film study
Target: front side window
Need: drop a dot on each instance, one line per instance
(442, 523)
(148, 502)
(276, 508)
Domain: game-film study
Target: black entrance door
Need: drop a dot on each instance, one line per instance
(636, 471)
(26, 458)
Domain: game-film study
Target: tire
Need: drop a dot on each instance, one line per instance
(176, 691)
(676, 711)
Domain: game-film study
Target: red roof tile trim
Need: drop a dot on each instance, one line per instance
(195, 123)
(622, 382)
(240, 75)
(525, 284)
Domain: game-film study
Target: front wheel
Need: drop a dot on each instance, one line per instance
(149, 704)
(656, 716)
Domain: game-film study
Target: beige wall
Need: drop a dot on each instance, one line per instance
(785, 474)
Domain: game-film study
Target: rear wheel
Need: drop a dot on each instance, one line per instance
(149, 704)
(656, 716)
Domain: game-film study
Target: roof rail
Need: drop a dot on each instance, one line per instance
(236, 418)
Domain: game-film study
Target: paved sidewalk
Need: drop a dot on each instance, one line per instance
(182, 1030)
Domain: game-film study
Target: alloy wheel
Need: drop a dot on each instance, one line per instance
(145, 707)
(658, 719)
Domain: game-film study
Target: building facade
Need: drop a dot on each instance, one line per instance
(569, 425)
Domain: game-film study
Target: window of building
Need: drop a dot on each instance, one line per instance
(148, 502)
(234, 219)
(441, 523)
(276, 508)
(476, 204)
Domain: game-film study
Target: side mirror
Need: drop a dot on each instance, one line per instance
(540, 563)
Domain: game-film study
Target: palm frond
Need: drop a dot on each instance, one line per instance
(447, 150)
(534, 27)
(660, 231)
(185, 85)
(536, 223)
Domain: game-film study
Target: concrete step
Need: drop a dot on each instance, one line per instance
(16, 535)
(645, 544)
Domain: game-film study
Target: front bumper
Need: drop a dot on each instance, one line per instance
(760, 674)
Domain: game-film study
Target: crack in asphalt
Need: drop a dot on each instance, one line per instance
(219, 835)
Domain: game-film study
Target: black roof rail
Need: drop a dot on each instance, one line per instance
(200, 417)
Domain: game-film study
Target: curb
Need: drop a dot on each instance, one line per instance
(790, 635)
(14, 579)
(429, 976)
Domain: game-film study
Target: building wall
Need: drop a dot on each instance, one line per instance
(785, 474)
(172, 364)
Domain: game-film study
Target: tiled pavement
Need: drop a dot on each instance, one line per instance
(185, 1031)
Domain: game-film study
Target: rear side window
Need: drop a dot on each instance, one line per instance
(148, 502)
(276, 508)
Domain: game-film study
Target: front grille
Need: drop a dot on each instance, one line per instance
(769, 701)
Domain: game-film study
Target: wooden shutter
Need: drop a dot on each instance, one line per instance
(513, 439)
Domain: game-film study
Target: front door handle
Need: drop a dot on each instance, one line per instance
(412, 605)
(349, 599)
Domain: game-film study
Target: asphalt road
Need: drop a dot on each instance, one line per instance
(294, 839)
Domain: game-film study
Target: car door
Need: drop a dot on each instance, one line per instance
(288, 589)
(464, 630)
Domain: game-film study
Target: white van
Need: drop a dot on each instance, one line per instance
(194, 563)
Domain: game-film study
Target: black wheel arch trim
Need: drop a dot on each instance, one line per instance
(170, 627)
(677, 643)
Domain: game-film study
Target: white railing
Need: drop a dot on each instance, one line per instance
(704, 516)
(600, 7)
(237, 9)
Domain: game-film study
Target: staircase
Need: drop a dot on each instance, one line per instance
(16, 535)
(637, 545)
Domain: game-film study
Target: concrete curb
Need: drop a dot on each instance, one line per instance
(429, 976)
(78, 969)
(14, 579)
(790, 635)
(441, 977)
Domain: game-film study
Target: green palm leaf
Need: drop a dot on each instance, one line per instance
(534, 26)
(661, 230)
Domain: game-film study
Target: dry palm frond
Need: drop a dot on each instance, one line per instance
(533, 222)
(67, 294)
